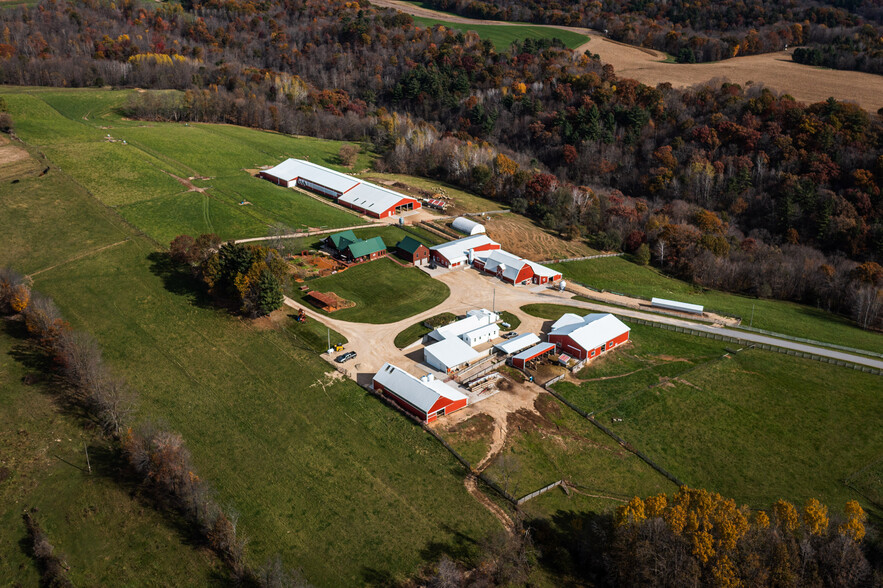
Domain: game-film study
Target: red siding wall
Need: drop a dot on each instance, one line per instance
(571, 347)
(411, 409)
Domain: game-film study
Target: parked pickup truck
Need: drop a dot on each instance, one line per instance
(345, 357)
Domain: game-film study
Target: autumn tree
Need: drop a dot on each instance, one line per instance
(348, 154)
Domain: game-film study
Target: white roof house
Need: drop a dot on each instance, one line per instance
(449, 354)
(458, 250)
(593, 331)
(474, 319)
(293, 169)
(675, 305)
(481, 334)
(421, 393)
(470, 227)
(372, 198)
(517, 344)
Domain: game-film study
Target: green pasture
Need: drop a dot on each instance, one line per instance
(619, 275)
(107, 535)
(418, 330)
(503, 35)
(383, 291)
(760, 426)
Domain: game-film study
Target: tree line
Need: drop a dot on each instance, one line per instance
(729, 187)
(708, 30)
(158, 457)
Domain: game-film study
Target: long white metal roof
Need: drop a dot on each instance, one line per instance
(491, 330)
(499, 259)
(455, 251)
(371, 197)
(291, 169)
(474, 319)
(418, 392)
(451, 352)
(675, 305)
(596, 330)
(535, 350)
(518, 343)
(567, 319)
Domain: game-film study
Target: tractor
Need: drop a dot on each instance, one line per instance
(302, 316)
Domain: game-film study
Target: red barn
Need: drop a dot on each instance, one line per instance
(461, 252)
(589, 336)
(513, 269)
(426, 398)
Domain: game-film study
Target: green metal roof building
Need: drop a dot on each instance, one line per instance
(368, 248)
(343, 239)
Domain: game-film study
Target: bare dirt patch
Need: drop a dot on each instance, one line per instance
(11, 154)
(519, 235)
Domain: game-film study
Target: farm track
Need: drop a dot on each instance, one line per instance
(773, 70)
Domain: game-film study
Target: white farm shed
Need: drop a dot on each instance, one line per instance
(470, 227)
(675, 305)
(474, 319)
(449, 354)
(481, 335)
(519, 343)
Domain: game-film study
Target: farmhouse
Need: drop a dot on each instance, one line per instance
(413, 250)
(363, 197)
(589, 336)
(513, 269)
(365, 250)
(426, 398)
(340, 241)
(461, 252)
(470, 227)
(475, 319)
(523, 359)
(449, 354)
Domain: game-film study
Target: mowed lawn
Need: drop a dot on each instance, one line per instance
(107, 536)
(502, 36)
(382, 290)
(760, 426)
(798, 320)
(134, 167)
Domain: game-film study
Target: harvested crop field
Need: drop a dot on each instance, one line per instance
(774, 70)
(519, 235)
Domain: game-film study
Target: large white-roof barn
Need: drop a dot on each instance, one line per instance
(470, 227)
(588, 336)
(513, 269)
(426, 398)
(363, 197)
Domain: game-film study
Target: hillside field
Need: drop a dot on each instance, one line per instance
(502, 36)
(798, 320)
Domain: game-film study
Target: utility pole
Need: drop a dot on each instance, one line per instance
(329, 337)
(751, 322)
(88, 464)
(494, 305)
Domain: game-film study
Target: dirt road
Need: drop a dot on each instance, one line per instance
(774, 70)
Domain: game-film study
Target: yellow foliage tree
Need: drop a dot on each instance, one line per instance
(815, 517)
(786, 516)
(631, 513)
(19, 298)
(854, 527)
(762, 520)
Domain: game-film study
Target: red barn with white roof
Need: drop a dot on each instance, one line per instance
(588, 336)
(426, 398)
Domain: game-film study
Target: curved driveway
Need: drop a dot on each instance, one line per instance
(471, 289)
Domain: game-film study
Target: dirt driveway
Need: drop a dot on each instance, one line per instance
(774, 70)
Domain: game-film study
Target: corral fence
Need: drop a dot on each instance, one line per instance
(543, 490)
(553, 381)
(599, 256)
(754, 345)
(622, 442)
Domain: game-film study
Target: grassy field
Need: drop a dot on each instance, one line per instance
(510, 319)
(108, 537)
(319, 470)
(502, 36)
(460, 200)
(311, 334)
(472, 437)
(761, 426)
(143, 170)
(384, 292)
(619, 275)
(555, 443)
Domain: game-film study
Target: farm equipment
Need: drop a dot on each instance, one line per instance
(338, 347)
(301, 317)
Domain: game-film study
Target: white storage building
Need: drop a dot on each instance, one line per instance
(481, 335)
(675, 305)
(470, 227)
(449, 354)
(519, 343)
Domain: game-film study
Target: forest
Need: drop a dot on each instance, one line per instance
(847, 33)
(729, 187)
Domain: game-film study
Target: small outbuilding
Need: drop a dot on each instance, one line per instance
(474, 319)
(426, 398)
(519, 343)
(413, 250)
(538, 351)
(470, 227)
(678, 306)
(481, 335)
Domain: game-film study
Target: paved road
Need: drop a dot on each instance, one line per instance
(471, 289)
